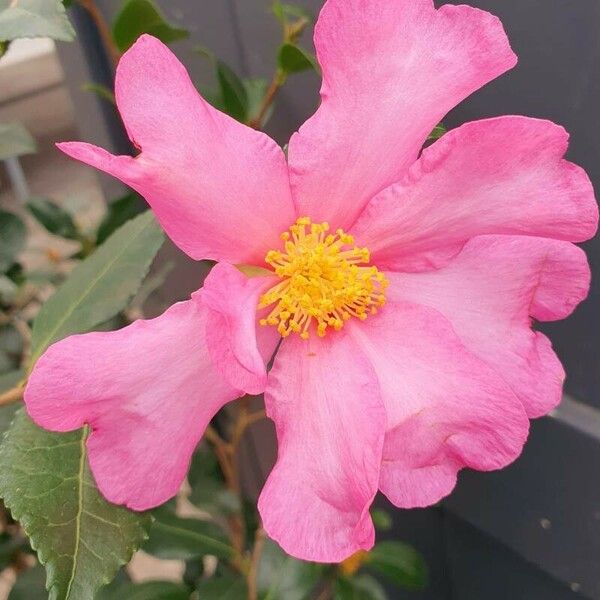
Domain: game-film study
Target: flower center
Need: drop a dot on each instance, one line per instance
(322, 281)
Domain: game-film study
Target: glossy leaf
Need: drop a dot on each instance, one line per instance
(205, 477)
(361, 587)
(227, 587)
(256, 90)
(149, 590)
(381, 519)
(281, 576)
(294, 59)
(34, 18)
(101, 91)
(400, 563)
(233, 92)
(13, 235)
(100, 286)
(177, 538)
(46, 484)
(438, 131)
(15, 140)
(285, 12)
(143, 16)
(53, 218)
(117, 214)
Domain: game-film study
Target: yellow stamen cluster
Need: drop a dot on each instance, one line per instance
(322, 281)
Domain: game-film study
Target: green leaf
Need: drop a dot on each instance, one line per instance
(293, 59)
(361, 587)
(438, 132)
(150, 590)
(227, 587)
(101, 91)
(399, 563)
(205, 477)
(285, 12)
(233, 92)
(46, 484)
(117, 214)
(15, 140)
(100, 286)
(236, 97)
(381, 519)
(255, 91)
(53, 218)
(176, 538)
(34, 18)
(13, 235)
(30, 585)
(143, 16)
(281, 576)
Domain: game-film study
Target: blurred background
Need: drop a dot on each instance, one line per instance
(529, 532)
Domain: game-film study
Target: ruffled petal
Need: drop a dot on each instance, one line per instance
(489, 293)
(391, 70)
(219, 188)
(498, 176)
(238, 346)
(446, 409)
(325, 401)
(147, 391)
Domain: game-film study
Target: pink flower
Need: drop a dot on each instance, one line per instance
(467, 243)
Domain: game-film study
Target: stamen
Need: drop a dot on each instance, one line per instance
(322, 281)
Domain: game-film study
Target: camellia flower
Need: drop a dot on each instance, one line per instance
(403, 284)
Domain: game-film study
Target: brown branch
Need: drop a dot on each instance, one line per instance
(269, 98)
(226, 453)
(12, 395)
(103, 29)
(251, 578)
(223, 452)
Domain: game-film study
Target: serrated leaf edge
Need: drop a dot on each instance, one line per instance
(21, 517)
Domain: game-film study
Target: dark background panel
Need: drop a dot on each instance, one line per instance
(557, 78)
(482, 569)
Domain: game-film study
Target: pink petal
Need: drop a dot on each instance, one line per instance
(148, 391)
(219, 188)
(490, 291)
(391, 70)
(325, 401)
(446, 409)
(504, 175)
(238, 346)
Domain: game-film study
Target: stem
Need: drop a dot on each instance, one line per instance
(103, 29)
(276, 84)
(226, 453)
(259, 543)
(12, 395)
